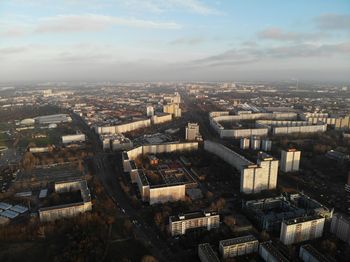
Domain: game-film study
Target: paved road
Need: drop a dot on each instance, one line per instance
(109, 177)
(108, 168)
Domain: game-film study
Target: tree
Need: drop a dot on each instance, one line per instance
(230, 221)
(158, 218)
(149, 258)
(28, 161)
(329, 246)
(264, 236)
(127, 227)
(209, 194)
(218, 204)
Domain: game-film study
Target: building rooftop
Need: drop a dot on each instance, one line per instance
(143, 178)
(342, 216)
(125, 156)
(301, 219)
(208, 252)
(274, 251)
(237, 240)
(193, 215)
(61, 206)
(133, 165)
(315, 253)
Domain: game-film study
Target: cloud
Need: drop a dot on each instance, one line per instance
(159, 6)
(92, 22)
(275, 33)
(188, 41)
(333, 22)
(237, 56)
(12, 50)
(194, 6)
(14, 32)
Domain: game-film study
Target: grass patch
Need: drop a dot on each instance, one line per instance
(129, 250)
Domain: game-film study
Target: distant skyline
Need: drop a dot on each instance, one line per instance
(174, 40)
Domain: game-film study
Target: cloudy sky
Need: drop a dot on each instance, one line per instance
(133, 40)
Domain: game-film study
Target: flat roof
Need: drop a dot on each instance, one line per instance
(193, 215)
(4, 205)
(208, 252)
(237, 240)
(9, 214)
(43, 193)
(143, 178)
(19, 209)
(298, 220)
(133, 165)
(342, 216)
(61, 206)
(125, 155)
(274, 251)
(315, 253)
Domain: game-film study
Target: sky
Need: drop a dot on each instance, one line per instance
(174, 40)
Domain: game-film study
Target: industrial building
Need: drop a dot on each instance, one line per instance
(254, 177)
(268, 213)
(27, 122)
(53, 119)
(300, 229)
(308, 253)
(238, 246)
(206, 253)
(68, 210)
(178, 225)
(73, 138)
(9, 212)
(192, 132)
(270, 253)
(290, 160)
(340, 226)
(41, 149)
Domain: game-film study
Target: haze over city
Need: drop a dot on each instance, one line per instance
(175, 130)
(79, 40)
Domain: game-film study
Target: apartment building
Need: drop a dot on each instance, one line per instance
(270, 253)
(178, 225)
(340, 226)
(301, 229)
(206, 253)
(238, 246)
(290, 160)
(192, 132)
